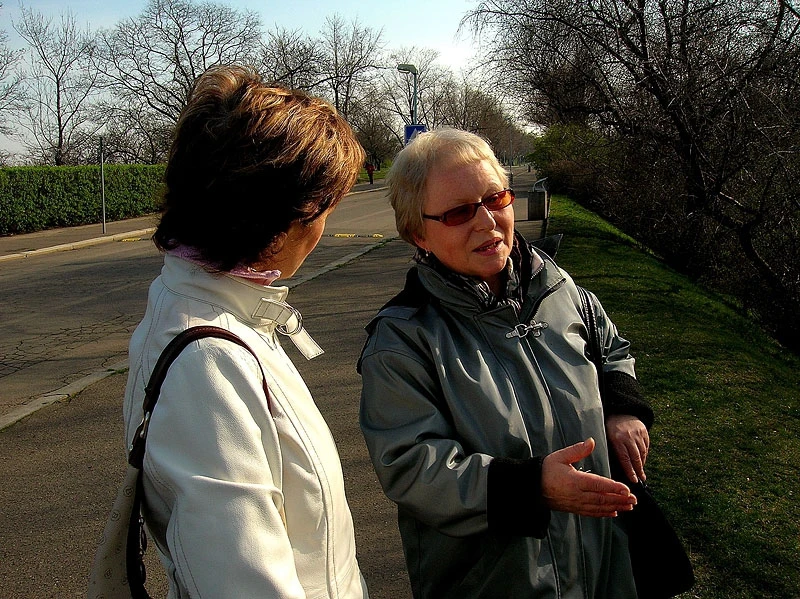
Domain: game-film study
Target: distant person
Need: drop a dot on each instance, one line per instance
(370, 170)
(244, 497)
(480, 406)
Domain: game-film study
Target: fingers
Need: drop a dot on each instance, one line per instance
(633, 471)
(637, 446)
(630, 441)
(567, 489)
(575, 453)
(637, 463)
(593, 483)
(594, 496)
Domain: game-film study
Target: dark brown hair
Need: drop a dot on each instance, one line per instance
(247, 160)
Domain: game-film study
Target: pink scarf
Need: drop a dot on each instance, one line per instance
(259, 277)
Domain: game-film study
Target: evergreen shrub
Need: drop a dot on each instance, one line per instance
(33, 198)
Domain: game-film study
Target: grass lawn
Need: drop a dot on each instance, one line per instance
(725, 459)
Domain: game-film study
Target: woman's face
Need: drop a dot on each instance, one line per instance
(479, 247)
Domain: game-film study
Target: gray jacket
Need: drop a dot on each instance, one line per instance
(462, 398)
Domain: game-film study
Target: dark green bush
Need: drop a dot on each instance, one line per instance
(33, 198)
(744, 243)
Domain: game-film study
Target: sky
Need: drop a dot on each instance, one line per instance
(422, 23)
(431, 24)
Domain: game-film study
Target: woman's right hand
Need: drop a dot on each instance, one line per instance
(566, 489)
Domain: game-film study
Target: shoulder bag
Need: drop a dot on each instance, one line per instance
(118, 570)
(661, 568)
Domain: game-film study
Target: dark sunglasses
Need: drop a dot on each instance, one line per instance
(466, 212)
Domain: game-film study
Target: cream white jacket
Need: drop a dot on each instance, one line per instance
(241, 501)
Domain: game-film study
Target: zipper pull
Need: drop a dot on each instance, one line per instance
(521, 330)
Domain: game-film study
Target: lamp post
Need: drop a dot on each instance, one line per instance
(103, 183)
(410, 68)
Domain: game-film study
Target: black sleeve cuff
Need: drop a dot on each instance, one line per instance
(515, 505)
(623, 395)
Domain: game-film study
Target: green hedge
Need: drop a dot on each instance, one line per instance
(33, 198)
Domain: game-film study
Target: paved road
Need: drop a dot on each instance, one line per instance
(68, 315)
(61, 465)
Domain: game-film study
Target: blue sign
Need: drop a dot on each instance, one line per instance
(412, 130)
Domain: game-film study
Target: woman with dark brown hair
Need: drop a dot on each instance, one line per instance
(244, 494)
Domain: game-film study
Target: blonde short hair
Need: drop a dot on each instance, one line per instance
(407, 179)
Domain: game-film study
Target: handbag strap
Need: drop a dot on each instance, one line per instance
(137, 539)
(153, 388)
(589, 317)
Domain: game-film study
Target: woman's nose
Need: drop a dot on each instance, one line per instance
(484, 219)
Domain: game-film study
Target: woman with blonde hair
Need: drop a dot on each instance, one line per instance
(480, 404)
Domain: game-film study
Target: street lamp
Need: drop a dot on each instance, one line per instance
(410, 68)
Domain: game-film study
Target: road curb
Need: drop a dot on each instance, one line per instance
(108, 238)
(79, 244)
(61, 394)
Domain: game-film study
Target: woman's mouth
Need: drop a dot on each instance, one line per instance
(489, 247)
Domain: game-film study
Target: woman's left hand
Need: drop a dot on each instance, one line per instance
(630, 440)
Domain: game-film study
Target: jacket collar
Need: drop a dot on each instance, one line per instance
(261, 307)
(472, 286)
(529, 271)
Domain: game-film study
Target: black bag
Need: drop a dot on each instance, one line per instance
(661, 568)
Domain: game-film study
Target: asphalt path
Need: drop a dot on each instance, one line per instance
(61, 464)
(70, 298)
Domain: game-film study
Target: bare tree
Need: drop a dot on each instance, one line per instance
(157, 56)
(466, 104)
(11, 83)
(467, 107)
(432, 79)
(351, 54)
(700, 94)
(377, 126)
(133, 134)
(443, 99)
(292, 59)
(60, 85)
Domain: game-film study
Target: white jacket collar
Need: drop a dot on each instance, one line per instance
(261, 307)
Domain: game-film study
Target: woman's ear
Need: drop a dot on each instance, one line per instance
(420, 243)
